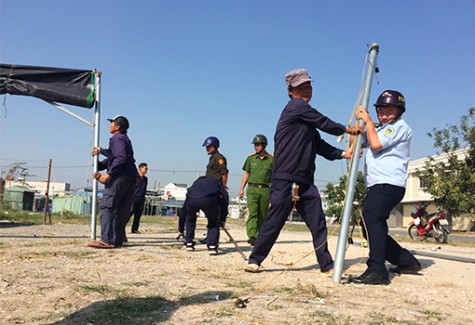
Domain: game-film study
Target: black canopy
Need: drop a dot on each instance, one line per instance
(67, 86)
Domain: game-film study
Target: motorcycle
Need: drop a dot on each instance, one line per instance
(427, 225)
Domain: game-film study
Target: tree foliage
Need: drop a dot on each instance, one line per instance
(335, 197)
(452, 183)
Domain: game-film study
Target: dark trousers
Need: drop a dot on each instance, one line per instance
(380, 200)
(210, 207)
(115, 208)
(310, 208)
(137, 209)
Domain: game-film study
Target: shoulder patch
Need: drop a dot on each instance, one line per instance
(221, 161)
(389, 131)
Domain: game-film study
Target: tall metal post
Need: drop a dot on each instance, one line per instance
(350, 187)
(97, 115)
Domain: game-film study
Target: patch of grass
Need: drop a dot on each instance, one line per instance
(249, 286)
(432, 314)
(309, 291)
(9, 281)
(412, 301)
(376, 318)
(37, 218)
(98, 288)
(326, 317)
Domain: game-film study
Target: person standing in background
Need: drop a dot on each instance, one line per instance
(257, 174)
(139, 197)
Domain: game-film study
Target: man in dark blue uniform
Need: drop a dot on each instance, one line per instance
(119, 181)
(297, 142)
(139, 197)
(206, 194)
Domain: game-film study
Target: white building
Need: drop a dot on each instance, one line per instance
(55, 188)
(415, 192)
(178, 191)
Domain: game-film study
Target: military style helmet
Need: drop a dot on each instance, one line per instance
(259, 138)
(211, 141)
(391, 97)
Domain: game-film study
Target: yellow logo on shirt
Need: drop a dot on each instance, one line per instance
(221, 161)
(389, 131)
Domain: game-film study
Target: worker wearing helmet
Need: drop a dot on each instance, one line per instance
(387, 158)
(257, 174)
(217, 166)
(216, 169)
(208, 195)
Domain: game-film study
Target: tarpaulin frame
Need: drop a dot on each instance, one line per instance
(76, 92)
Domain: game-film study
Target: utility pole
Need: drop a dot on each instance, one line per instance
(47, 194)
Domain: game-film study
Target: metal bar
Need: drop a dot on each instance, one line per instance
(97, 115)
(61, 108)
(350, 188)
(244, 257)
(445, 257)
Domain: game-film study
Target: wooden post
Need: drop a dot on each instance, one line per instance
(47, 195)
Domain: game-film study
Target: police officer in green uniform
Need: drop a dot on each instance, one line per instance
(257, 174)
(217, 167)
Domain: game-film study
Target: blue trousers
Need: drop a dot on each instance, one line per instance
(210, 207)
(117, 200)
(310, 208)
(380, 200)
(137, 209)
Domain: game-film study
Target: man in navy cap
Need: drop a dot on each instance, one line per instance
(297, 142)
(119, 181)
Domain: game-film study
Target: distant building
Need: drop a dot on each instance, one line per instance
(178, 191)
(40, 187)
(415, 192)
(19, 198)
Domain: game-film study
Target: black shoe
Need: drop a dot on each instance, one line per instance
(136, 232)
(203, 240)
(408, 269)
(370, 278)
(190, 247)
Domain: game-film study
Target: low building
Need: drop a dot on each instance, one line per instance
(19, 198)
(415, 193)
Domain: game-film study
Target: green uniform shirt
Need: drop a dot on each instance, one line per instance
(259, 169)
(217, 166)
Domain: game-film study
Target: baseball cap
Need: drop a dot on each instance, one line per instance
(297, 77)
(120, 121)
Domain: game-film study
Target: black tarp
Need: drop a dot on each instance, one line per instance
(67, 86)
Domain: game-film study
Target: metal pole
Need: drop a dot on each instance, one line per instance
(350, 187)
(97, 116)
(234, 242)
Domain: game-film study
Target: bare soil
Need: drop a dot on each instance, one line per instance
(50, 276)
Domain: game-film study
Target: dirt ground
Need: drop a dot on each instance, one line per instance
(49, 276)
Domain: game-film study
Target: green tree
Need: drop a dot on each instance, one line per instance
(452, 183)
(335, 198)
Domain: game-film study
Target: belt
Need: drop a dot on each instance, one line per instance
(258, 185)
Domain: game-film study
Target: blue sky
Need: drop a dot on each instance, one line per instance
(184, 70)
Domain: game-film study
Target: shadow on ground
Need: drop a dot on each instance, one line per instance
(138, 311)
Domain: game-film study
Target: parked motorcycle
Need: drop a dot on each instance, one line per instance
(426, 225)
